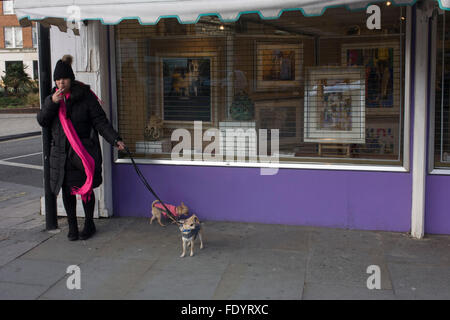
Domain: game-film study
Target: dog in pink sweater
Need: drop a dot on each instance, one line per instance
(158, 211)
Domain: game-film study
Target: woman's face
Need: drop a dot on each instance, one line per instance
(63, 84)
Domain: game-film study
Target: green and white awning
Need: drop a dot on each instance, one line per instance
(186, 11)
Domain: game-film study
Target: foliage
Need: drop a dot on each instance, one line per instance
(12, 102)
(242, 107)
(17, 79)
(32, 100)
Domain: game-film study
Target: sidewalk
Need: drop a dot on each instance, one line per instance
(130, 259)
(15, 124)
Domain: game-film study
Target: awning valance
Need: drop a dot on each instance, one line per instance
(186, 11)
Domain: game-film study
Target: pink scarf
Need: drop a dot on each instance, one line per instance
(88, 162)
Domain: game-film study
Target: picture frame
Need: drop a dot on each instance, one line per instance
(382, 64)
(334, 108)
(278, 65)
(283, 114)
(187, 90)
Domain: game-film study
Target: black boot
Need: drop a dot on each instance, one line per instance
(70, 204)
(89, 226)
(88, 230)
(73, 227)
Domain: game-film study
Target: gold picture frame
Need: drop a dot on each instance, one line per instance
(278, 65)
(164, 88)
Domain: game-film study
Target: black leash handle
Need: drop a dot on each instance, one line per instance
(144, 181)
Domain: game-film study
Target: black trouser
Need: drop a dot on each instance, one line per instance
(70, 205)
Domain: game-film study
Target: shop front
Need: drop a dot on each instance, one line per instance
(315, 115)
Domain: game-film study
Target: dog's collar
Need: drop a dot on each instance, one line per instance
(189, 233)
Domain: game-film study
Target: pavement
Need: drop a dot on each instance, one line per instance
(130, 259)
(18, 125)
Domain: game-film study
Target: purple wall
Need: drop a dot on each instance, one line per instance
(437, 212)
(342, 199)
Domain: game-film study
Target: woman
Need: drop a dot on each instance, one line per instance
(75, 117)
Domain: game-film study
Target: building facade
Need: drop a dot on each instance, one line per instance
(323, 119)
(17, 44)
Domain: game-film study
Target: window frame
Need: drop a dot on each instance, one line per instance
(403, 167)
(432, 170)
(13, 28)
(34, 36)
(12, 7)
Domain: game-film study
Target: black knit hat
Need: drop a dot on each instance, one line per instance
(63, 69)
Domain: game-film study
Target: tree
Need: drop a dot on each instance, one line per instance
(15, 77)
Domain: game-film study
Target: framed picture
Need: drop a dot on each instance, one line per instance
(382, 74)
(283, 115)
(278, 65)
(187, 93)
(381, 138)
(334, 105)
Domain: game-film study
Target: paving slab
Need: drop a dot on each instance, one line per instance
(243, 281)
(11, 124)
(102, 278)
(319, 291)
(59, 249)
(12, 249)
(33, 272)
(402, 248)
(17, 291)
(340, 257)
(420, 282)
(172, 285)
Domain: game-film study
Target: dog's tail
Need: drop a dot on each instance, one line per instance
(153, 203)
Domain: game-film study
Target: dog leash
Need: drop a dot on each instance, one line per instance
(144, 181)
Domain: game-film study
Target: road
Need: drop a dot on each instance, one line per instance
(21, 162)
(21, 186)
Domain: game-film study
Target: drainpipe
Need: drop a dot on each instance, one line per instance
(45, 87)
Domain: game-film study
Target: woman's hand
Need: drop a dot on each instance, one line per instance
(120, 145)
(57, 96)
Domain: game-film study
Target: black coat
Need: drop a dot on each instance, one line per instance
(88, 119)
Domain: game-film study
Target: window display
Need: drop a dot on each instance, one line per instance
(333, 95)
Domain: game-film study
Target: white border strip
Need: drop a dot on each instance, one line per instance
(306, 166)
(24, 156)
(21, 165)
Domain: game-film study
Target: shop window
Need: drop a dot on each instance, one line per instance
(442, 94)
(327, 88)
(13, 37)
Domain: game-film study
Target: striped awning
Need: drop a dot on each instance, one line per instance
(186, 11)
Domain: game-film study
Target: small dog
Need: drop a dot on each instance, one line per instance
(190, 228)
(158, 210)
